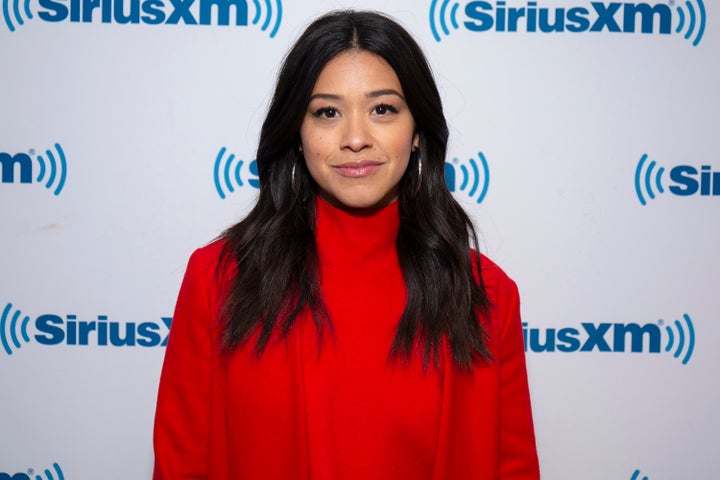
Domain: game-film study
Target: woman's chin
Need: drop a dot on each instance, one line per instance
(360, 201)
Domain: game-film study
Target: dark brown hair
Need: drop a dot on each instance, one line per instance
(274, 249)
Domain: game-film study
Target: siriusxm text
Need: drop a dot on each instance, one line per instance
(56, 330)
(688, 181)
(599, 17)
(17, 476)
(601, 337)
(150, 12)
(8, 162)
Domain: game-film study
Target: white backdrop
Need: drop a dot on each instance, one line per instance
(127, 131)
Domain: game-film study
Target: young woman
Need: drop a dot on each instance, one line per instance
(345, 329)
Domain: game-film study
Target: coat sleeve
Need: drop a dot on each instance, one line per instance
(518, 454)
(182, 418)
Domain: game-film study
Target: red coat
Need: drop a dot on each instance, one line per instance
(341, 412)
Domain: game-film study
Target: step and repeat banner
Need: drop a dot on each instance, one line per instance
(584, 142)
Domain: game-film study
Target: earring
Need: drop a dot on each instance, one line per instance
(293, 182)
(419, 174)
(292, 178)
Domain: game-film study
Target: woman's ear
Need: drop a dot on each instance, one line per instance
(416, 142)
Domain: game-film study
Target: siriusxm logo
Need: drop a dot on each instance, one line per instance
(52, 168)
(265, 15)
(679, 338)
(685, 180)
(31, 474)
(50, 329)
(687, 17)
(229, 172)
(466, 177)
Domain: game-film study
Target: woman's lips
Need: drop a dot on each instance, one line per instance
(358, 169)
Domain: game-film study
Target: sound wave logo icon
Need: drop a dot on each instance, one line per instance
(12, 329)
(269, 12)
(440, 16)
(472, 182)
(636, 476)
(34, 475)
(685, 335)
(16, 12)
(56, 168)
(648, 180)
(694, 19)
(689, 17)
(229, 172)
(52, 167)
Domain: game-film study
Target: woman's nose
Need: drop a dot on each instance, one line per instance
(356, 135)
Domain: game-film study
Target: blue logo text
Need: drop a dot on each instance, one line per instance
(266, 15)
(615, 337)
(51, 329)
(532, 16)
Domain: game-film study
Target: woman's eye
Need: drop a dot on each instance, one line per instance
(325, 112)
(384, 109)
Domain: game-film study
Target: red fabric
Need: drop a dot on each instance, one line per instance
(341, 412)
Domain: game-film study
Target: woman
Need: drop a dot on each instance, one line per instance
(344, 329)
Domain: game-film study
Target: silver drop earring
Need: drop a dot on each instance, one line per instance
(293, 183)
(419, 177)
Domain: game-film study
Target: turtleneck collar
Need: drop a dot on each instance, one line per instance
(354, 237)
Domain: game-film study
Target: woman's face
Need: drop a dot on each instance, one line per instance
(358, 131)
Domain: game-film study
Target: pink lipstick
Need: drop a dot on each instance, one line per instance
(359, 169)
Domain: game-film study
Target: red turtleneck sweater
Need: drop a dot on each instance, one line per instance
(342, 412)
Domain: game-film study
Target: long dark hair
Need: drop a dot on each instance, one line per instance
(273, 252)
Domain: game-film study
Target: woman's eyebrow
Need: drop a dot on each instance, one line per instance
(386, 91)
(326, 96)
(373, 94)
